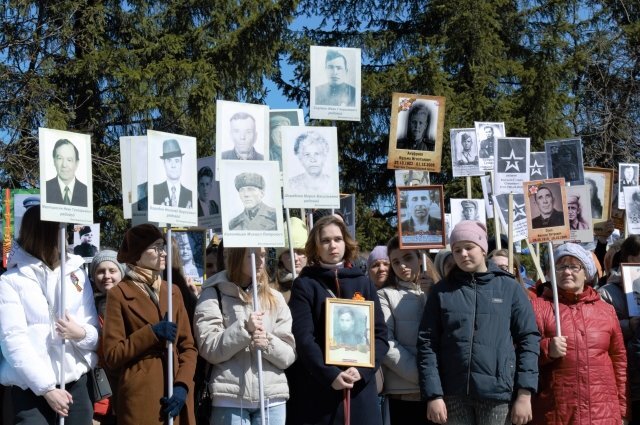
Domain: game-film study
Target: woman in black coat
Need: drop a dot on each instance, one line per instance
(317, 389)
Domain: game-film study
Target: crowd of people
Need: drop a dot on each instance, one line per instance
(460, 339)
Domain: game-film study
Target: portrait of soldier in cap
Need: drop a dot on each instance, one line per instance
(86, 248)
(256, 215)
(276, 122)
(470, 210)
(65, 188)
(336, 92)
(171, 192)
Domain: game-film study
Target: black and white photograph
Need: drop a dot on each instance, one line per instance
(511, 164)
(520, 226)
(139, 181)
(617, 214)
(335, 83)
(487, 194)
(348, 210)
(415, 137)
(537, 166)
(486, 135)
(412, 178)
(631, 281)
(627, 176)
(22, 199)
(86, 241)
(464, 152)
(279, 118)
(310, 167)
(192, 246)
(65, 176)
(467, 209)
(579, 211)
(251, 204)
(546, 208)
(208, 195)
(242, 132)
(125, 173)
(171, 162)
(421, 216)
(564, 160)
(632, 210)
(600, 184)
(349, 335)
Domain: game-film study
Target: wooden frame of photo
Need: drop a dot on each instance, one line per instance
(607, 175)
(356, 348)
(202, 255)
(420, 239)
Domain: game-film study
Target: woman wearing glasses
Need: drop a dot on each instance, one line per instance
(583, 372)
(136, 331)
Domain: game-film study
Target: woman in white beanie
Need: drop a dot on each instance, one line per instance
(583, 373)
(478, 342)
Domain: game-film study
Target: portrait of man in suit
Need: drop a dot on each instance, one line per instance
(549, 216)
(336, 92)
(206, 206)
(65, 188)
(171, 192)
(424, 214)
(244, 137)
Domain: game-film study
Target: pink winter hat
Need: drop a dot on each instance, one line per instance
(472, 231)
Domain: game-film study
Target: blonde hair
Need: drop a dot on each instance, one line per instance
(235, 258)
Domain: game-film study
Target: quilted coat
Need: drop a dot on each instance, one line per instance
(588, 385)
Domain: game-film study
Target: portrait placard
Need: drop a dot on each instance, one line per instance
(125, 173)
(487, 194)
(600, 184)
(279, 118)
(251, 204)
(467, 209)
(464, 152)
(171, 162)
(349, 338)
(208, 201)
(631, 282)
(242, 132)
(66, 185)
(421, 216)
(139, 181)
(627, 176)
(335, 83)
(632, 213)
(447, 225)
(520, 225)
(86, 241)
(579, 213)
(617, 214)
(486, 135)
(415, 138)
(310, 167)
(511, 158)
(564, 160)
(192, 245)
(546, 208)
(412, 178)
(348, 210)
(14, 204)
(537, 166)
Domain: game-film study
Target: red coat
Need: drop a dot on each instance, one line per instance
(588, 385)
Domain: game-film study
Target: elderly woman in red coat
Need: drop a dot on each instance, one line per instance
(583, 372)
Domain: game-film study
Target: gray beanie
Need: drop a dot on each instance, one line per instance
(578, 252)
(441, 258)
(101, 257)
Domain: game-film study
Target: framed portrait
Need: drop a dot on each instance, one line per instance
(617, 214)
(191, 246)
(171, 164)
(627, 176)
(600, 183)
(335, 83)
(86, 241)
(65, 176)
(579, 213)
(139, 181)
(546, 208)
(208, 199)
(415, 137)
(125, 172)
(486, 135)
(537, 165)
(464, 152)
(421, 216)
(487, 194)
(564, 160)
(279, 118)
(511, 163)
(467, 209)
(412, 178)
(349, 339)
(632, 211)
(520, 226)
(631, 281)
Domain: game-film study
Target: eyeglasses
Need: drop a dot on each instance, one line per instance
(574, 268)
(158, 248)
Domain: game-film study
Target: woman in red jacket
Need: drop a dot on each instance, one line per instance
(583, 372)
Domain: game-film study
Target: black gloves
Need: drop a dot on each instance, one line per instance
(173, 405)
(165, 330)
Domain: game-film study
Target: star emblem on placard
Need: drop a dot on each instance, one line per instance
(519, 211)
(512, 161)
(536, 168)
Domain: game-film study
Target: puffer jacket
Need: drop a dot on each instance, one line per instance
(478, 338)
(402, 307)
(223, 341)
(588, 385)
(30, 345)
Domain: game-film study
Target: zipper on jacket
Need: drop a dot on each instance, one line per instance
(473, 327)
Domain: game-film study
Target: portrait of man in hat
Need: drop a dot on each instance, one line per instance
(244, 137)
(466, 153)
(86, 248)
(276, 122)
(256, 215)
(469, 210)
(171, 192)
(336, 92)
(65, 188)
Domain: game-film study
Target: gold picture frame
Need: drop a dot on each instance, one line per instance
(349, 333)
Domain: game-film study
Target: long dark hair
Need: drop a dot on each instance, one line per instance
(40, 238)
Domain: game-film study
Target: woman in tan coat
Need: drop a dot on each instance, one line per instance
(136, 331)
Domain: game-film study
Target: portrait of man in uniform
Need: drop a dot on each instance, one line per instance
(86, 247)
(336, 92)
(487, 144)
(171, 192)
(65, 188)
(256, 215)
